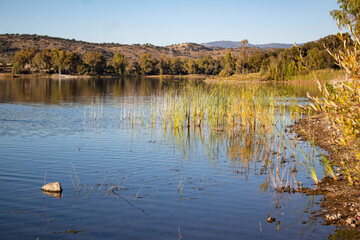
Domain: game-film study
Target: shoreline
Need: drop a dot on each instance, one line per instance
(340, 200)
(68, 76)
(49, 76)
(336, 76)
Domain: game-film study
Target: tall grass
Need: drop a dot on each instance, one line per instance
(341, 103)
(223, 108)
(321, 75)
(248, 120)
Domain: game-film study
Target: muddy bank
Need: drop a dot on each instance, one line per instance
(341, 200)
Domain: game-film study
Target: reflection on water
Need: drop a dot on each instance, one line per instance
(83, 90)
(53, 194)
(137, 179)
(74, 90)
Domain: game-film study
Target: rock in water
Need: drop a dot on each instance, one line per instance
(52, 187)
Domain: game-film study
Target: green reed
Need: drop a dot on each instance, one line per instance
(225, 108)
(248, 120)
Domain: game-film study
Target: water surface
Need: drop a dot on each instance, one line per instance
(138, 181)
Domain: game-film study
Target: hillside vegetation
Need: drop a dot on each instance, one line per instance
(33, 53)
(11, 43)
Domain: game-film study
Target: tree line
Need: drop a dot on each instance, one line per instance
(271, 64)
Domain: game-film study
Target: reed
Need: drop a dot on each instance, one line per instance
(220, 107)
(94, 115)
(309, 164)
(248, 120)
(75, 179)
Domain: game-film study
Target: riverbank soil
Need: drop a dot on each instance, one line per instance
(341, 200)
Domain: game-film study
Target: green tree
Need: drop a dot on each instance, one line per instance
(23, 58)
(255, 62)
(73, 62)
(37, 61)
(191, 66)
(148, 64)
(164, 65)
(177, 66)
(206, 65)
(242, 58)
(348, 15)
(58, 59)
(315, 59)
(134, 68)
(16, 69)
(43, 60)
(119, 63)
(229, 65)
(96, 62)
(47, 59)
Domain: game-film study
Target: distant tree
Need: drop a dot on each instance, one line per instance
(3, 65)
(47, 59)
(134, 68)
(164, 65)
(334, 44)
(148, 64)
(37, 61)
(16, 69)
(229, 65)
(96, 62)
(191, 66)
(314, 59)
(242, 58)
(83, 69)
(177, 66)
(110, 69)
(58, 59)
(119, 63)
(217, 65)
(24, 57)
(206, 65)
(72, 62)
(255, 62)
(42, 60)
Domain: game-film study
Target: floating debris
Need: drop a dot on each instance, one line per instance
(271, 220)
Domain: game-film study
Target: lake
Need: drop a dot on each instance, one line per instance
(126, 175)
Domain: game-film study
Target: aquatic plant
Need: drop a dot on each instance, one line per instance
(248, 120)
(75, 179)
(94, 115)
(309, 164)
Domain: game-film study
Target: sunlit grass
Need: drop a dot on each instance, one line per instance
(250, 121)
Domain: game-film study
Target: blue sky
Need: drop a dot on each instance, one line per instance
(162, 22)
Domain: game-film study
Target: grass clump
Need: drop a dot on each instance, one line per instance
(341, 101)
(225, 108)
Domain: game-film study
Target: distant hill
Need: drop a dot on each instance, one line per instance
(10, 43)
(232, 44)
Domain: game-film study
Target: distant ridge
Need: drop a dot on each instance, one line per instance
(10, 43)
(233, 44)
